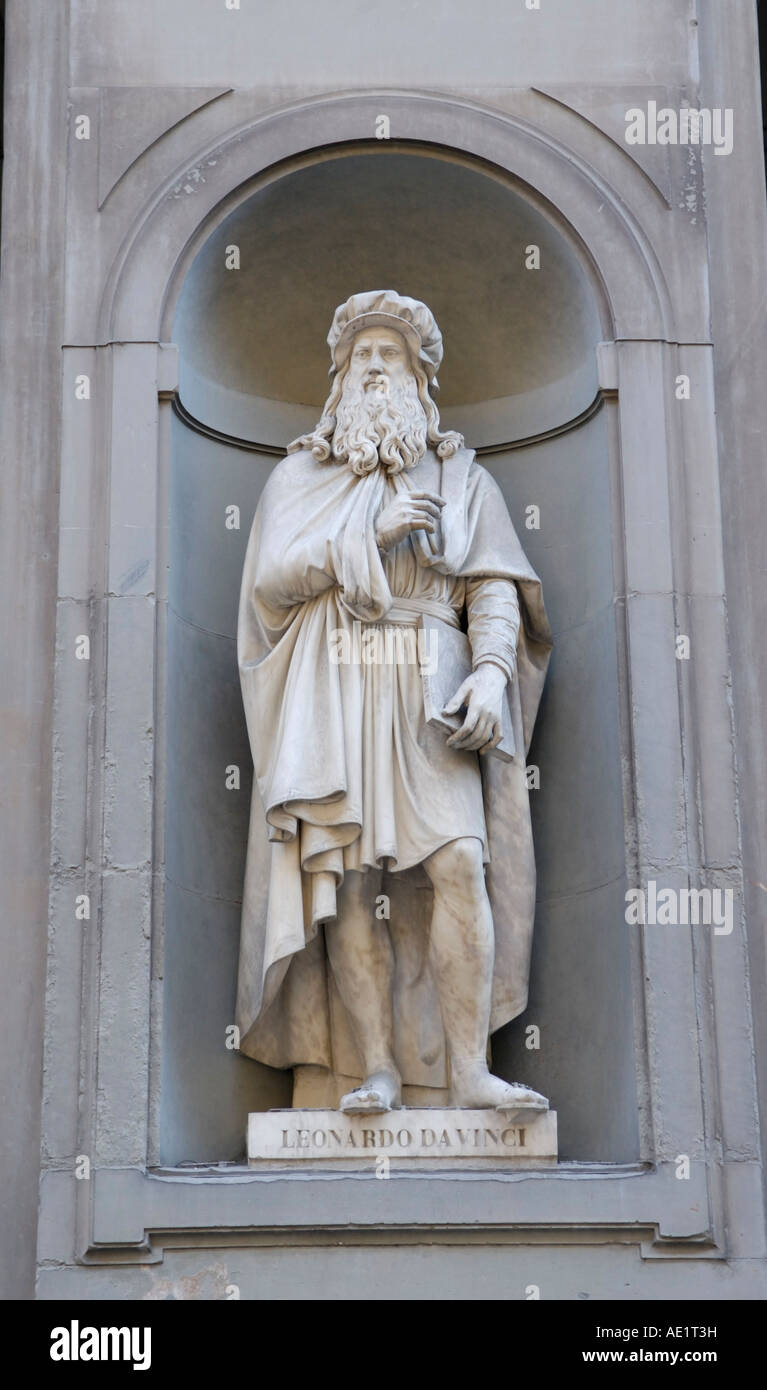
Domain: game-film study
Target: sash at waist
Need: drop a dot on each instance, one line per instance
(410, 610)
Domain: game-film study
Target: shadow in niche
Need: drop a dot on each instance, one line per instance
(519, 361)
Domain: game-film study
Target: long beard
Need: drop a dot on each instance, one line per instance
(383, 425)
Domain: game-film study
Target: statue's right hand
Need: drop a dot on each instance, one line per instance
(410, 511)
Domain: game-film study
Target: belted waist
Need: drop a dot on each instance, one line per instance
(409, 610)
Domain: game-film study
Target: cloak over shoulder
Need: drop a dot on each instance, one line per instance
(312, 566)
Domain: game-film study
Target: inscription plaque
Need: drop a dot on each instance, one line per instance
(466, 1138)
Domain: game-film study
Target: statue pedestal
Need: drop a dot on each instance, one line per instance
(406, 1138)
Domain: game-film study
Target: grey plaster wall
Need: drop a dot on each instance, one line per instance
(739, 330)
(32, 231)
(284, 43)
(428, 1271)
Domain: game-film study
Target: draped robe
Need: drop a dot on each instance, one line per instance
(347, 772)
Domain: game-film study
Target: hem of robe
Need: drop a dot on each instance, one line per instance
(396, 867)
(259, 1050)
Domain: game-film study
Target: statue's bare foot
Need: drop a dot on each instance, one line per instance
(381, 1092)
(475, 1088)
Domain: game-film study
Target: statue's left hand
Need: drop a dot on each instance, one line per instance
(482, 692)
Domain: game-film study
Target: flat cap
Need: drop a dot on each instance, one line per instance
(387, 309)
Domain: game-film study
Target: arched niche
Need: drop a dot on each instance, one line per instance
(520, 379)
(516, 305)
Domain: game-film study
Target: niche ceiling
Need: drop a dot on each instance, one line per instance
(519, 343)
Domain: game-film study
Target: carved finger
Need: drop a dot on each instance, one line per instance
(422, 510)
(496, 738)
(429, 497)
(460, 698)
(461, 737)
(481, 734)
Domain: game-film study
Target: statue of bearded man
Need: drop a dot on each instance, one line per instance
(390, 881)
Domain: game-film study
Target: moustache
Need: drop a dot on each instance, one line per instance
(377, 381)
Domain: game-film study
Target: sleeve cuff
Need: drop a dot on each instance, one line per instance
(494, 661)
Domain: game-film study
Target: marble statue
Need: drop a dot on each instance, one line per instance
(390, 882)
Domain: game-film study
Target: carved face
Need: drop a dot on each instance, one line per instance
(379, 410)
(380, 417)
(379, 360)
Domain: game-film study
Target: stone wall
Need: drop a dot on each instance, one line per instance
(653, 508)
